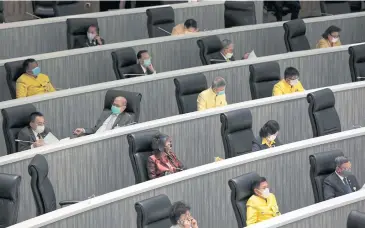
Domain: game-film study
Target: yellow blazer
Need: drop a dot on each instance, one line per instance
(179, 30)
(259, 209)
(209, 99)
(283, 87)
(27, 85)
(324, 43)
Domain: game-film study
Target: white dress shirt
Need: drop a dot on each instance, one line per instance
(224, 56)
(108, 123)
(36, 138)
(341, 177)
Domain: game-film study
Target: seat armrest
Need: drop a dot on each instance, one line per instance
(68, 202)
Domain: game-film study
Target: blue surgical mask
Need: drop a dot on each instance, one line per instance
(221, 93)
(147, 62)
(115, 110)
(36, 71)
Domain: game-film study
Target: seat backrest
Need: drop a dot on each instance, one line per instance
(140, 148)
(238, 13)
(2, 18)
(13, 71)
(133, 102)
(123, 61)
(44, 9)
(65, 8)
(294, 36)
(77, 29)
(187, 90)
(263, 77)
(335, 7)
(321, 165)
(160, 19)
(357, 62)
(356, 219)
(153, 212)
(236, 131)
(207, 46)
(241, 191)
(14, 119)
(9, 199)
(322, 113)
(42, 189)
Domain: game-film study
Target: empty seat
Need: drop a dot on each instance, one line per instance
(322, 113)
(241, 191)
(124, 63)
(77, 29)
(187, 90)
(321, 165)
(153, 212)
(160, 21)
(263, 77)
(356, 219)
(140, 148)
(9, 199)
(294, 36)
(357, 62)
(239, 13)
(209, 45)
(236, 131)
(45, 9)
(13, 71)
(335, 7)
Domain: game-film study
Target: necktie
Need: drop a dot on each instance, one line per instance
(39, 136)
(110, 124)
(347, 185)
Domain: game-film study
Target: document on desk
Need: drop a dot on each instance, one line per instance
(50, 139)
(252, 55)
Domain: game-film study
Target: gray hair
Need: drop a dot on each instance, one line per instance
(341, 160)
(226, 43)
(218, 82)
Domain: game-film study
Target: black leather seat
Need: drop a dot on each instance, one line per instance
(241, 191)
(124, 61)
(322, 113)
(153, 212)
(207, 46)
(335, 7)
(140, 148)
(160, 19)
(133, 102)
(236, 131)
(2, 18)
(15, 119)
(357, 62)
(239, 13)
(294, 36)
(356, 219)
(263, 77)
(42, 189)
(45, 9)
(9, 199)
(187, 90)
(13, 71)
(321, 165)
(77, 29)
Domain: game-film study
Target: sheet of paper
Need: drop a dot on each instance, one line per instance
(50, 139)
(252, 55)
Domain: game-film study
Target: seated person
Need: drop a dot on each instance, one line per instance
(268, 136)
(214, 96)
(144, 66)
(225, 55)
(91, 39)
(190, 26)
(35, 132)
(262, 205)
(278, 8)
(32, 81)
(340, 182)
(330, 38)
(109, 119)
(180, 216)
(290, 83)
(163, 161)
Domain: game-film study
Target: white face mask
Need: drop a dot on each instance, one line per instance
(271, 138)
(293, 82)
(91, 36)
(229, 55)
(334, 40)
(265, 193)
(39, 129)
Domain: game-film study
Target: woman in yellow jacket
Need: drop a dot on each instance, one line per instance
(190, 26)
(331, 38)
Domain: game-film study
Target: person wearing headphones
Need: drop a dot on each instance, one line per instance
(91, 39)
(180, 216)
(268, 136)
(214, 96)
(163, 161)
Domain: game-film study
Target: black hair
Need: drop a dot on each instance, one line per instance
(159, 142)
(139, 54)
(269, 128)
(330, 30)
(34, 115)
(256, 183)
(290, 71)
(191, 23)
(95, 26)
(177, 209)
(26, 63)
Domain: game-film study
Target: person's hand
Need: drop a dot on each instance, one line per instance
(151, 68)
(78, 131)
(186, 224)
(98, 38)
(38, 143)
(246, 56)
(194, 223)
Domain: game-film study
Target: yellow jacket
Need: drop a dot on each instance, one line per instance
(209, 99)
(259, 209)
(179, 30)
(324, 43)
(283, 87)
(27, 85)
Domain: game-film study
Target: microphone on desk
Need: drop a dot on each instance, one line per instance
(134, 74)
(130, 124)
(217, 60)
(18, 140)
(164, 30)
(360, 77)
(36, 17)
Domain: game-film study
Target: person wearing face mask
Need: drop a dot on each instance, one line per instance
(330, 38)
(144, 66)
(268, 136)
(262, 204)
(109, 119)
(35, 132)
(214, 96)
(340, 182)
(91, 39)
(290, 83)
(180, 216)
(190, 26)
(163, 161)
(32, 81)
(225, 55)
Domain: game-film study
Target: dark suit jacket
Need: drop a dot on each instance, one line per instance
(84, 42)
(137, 69)
(219, 56)
(122, 120)
(257, 144)
(26, 134)
(334, 187)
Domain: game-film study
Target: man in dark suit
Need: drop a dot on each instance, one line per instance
(91, 38)
(225, 55)
(342, 181)
(109, 119)
(35, 132)
(144, 65)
